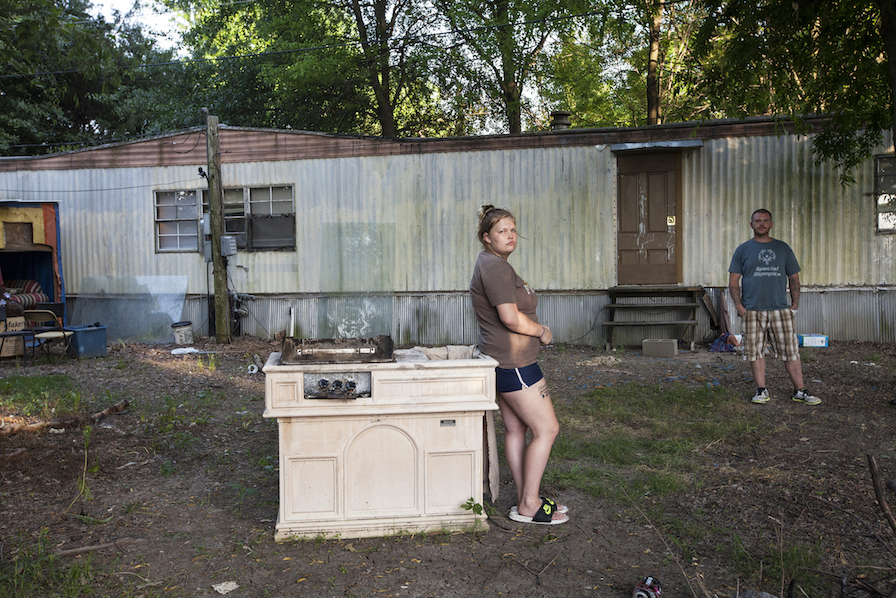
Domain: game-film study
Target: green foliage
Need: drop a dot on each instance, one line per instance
(316, 65)
(31, 570)
(71, 79)
(493, 52)
(176, 422)
(48, 397)
(767, 564)
(268, 463)
(599, 71)
(83, 487)
(472, 505)
(243, 493)
(776, 57)
(447, 67)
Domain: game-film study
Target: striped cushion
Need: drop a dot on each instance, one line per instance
(24, 285)
(30, 293)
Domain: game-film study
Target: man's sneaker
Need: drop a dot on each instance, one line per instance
(761, 396)
(803, 396)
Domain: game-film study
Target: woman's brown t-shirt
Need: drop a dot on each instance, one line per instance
(495, 282)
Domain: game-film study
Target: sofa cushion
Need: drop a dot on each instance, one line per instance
(29, 292)
(24, 285)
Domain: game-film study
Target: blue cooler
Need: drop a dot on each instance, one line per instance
(88, 340)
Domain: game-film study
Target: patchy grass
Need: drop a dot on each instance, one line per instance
(635, 444)
(635, 440)
(32, 570)
(47, 397)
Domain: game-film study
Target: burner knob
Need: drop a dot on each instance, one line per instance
(323, 383)
(337, 384)
(350, 386)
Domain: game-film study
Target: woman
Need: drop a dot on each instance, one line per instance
(510, 333)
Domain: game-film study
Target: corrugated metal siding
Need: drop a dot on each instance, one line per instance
(427, 319)
(829, 226)
(575, 318)
(106, 221)
(408, 223)
(386, 243)
(843, 314)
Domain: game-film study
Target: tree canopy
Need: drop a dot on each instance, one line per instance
(811, 57)
(420, 68)
(70, 79)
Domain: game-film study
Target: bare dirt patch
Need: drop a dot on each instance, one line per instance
(184, 486)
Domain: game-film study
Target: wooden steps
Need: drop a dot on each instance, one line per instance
(634, 306)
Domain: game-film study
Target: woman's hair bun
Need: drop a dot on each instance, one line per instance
(485, 209)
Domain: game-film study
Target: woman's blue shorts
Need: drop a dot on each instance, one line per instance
(510, 380)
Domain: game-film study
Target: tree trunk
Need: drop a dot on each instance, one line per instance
(888, 33)
(654, 116)
(510, 88)
(377, 64)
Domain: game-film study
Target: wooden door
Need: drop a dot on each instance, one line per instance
(646, 218)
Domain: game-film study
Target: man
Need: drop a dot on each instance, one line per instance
(764, 266)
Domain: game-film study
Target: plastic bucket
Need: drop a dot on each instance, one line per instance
(183, 333)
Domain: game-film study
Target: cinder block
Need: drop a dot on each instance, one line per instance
(659, 347)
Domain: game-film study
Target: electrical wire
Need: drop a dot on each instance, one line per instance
(596, 320)
(129, 187)
(248, 312)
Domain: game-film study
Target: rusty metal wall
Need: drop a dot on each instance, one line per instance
(408, 223)
(831, 227)
(399, 231)
(842, 313)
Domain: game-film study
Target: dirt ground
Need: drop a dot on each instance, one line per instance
(184, 486)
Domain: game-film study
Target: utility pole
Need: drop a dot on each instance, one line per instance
(216, 219)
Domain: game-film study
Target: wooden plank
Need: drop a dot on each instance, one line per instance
(664, 323)
(652, 305)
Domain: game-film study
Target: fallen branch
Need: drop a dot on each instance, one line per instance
(871, 532)
(548, 565)
(86, 549)
(119, 406)
(74, 422)
(879, 493)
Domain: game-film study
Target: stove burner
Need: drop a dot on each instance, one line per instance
(338, 350)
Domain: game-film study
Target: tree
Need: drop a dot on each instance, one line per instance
(65, 76)
(389, 33)
(496, 46)
(349, 66)
(632, 64)
(251, 70)
(828, 57)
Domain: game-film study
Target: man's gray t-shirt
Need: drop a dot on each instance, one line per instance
(764, 268)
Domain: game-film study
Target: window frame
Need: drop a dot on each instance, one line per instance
(885, 185)
(190, 224)
(277, 197)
